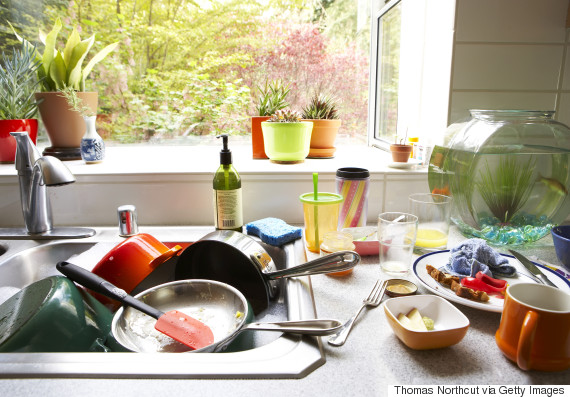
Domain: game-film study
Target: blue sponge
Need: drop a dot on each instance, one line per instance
(274, 231)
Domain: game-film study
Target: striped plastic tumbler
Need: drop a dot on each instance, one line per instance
(352, 184)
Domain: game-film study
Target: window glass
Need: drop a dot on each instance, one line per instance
(187, 70)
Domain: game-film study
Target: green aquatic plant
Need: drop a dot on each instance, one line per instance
(506, 189)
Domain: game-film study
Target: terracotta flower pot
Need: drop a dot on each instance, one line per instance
(65, 127)
(400, 153)
(8, 142)
(257, 137)
(323, 137)
(287, 143)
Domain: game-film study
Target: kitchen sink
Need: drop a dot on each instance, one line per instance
(262, 355)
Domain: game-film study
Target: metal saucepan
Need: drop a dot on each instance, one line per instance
(239, 260)
(220, 306)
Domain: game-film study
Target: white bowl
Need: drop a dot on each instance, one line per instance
(450, 325)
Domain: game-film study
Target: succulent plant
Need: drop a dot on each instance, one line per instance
(321, 107)
(64, 67)
(272, 98)
(18, 83)
(285, 116)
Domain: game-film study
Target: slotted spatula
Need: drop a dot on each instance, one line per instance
(179, 326)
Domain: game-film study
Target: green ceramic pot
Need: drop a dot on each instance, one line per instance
(287, 143)
(53, 315)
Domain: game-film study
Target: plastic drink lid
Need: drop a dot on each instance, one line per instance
(352, 173)
(322, 198)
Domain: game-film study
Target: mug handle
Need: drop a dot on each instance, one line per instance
(526, 340)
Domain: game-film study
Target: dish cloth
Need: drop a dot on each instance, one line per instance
(475, 255)
(274, 231)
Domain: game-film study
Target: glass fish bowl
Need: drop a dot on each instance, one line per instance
(508, 172)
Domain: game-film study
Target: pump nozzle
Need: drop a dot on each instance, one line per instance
(225, 153)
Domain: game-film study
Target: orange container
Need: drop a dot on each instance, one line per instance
(535, 327)
(130, 262)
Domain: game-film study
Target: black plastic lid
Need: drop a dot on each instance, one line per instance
(352, 173)
(225, 153)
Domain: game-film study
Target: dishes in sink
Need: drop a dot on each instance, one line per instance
(438, 260)
(364, 239)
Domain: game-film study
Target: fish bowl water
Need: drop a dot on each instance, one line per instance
(508, 172)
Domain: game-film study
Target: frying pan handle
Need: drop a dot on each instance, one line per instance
(318, 327)
(335, 262)
(102, 286)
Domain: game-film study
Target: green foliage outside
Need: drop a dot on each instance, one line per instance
(187, 68)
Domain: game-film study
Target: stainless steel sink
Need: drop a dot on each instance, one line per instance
(267, 354)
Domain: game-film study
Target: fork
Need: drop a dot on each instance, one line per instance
(373, 300)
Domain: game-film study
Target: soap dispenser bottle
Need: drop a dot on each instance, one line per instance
(227, 192)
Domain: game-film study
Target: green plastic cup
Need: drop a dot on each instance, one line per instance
(320, 216)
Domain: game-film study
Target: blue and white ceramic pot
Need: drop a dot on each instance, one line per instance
(92, 145)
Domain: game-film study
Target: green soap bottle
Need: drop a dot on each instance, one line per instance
(227, 192)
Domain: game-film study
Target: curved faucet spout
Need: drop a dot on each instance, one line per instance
(35, 173)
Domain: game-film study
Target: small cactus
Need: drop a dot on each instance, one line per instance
(321, 107)
(286, 116)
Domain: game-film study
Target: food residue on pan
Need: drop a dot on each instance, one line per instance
(148, 339)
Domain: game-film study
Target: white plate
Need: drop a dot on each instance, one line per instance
(438, 260)
(412, 163)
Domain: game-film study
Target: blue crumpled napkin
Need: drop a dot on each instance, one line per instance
(475, 255)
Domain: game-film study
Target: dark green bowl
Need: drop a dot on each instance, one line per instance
(53, 315)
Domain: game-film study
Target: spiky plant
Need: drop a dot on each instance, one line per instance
(507, 189)
(273, 97)
(75, 102)
(321, 107)
(18, 83)
(285, 116)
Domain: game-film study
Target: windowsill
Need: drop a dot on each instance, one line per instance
(172, 160)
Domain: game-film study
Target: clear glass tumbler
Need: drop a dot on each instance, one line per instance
(397, 236)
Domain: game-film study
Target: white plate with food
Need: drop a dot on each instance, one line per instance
(439, 259)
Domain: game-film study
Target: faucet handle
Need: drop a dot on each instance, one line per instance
(127, 220)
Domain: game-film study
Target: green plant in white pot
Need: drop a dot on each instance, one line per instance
(286, 138)
(62, 68)
(18, 107)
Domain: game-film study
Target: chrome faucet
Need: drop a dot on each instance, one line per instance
(35, 174)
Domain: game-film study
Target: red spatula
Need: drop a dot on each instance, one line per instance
(179, 326)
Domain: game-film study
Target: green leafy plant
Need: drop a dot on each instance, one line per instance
(286, 116)
(18, 82)
(321, 107)
(508, 189)
(76, 103)
(61, 68)
(272, 98)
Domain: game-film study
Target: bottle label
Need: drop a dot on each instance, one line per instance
(228, 209)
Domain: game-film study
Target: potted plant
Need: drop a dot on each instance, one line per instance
(322, 111)
(271, 99)
(61, 68)
(400, 151)
(286, 138)
(18, 107)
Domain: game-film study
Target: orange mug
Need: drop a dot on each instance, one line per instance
(535, 327)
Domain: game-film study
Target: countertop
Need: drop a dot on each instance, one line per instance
(370, 363)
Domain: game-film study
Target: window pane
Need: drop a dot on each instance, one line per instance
(187, 70)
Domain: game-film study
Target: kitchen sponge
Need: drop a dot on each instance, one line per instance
(274, 231)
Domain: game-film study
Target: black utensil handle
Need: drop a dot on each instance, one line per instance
(102, 286)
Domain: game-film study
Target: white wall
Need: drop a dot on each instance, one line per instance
(510, 54)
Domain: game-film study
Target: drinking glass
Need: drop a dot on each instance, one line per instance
(433, 212)
(397, 236)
